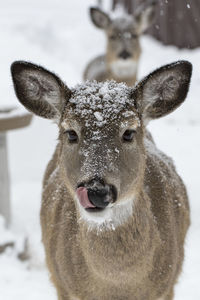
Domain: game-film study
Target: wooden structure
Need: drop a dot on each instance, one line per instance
(177, 22)
(10, 118)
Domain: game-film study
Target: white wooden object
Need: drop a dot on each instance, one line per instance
(10, 118)
(4, 180)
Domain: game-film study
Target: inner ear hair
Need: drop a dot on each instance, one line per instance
(99, 18)
(39, 90)
(163, 90)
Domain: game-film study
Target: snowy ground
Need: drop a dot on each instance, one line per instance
(58, 35)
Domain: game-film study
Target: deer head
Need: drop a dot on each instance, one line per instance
(101, 131)
(123, 33)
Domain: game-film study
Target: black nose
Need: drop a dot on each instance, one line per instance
(100, 193)
(99, 196)
(124, 54)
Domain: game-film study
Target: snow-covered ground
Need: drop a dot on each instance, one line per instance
(58, 35)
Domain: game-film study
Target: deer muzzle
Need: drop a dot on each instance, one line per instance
(124, 54)
(96, 195)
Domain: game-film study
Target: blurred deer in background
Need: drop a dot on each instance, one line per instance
(123, 31)
(114, 211)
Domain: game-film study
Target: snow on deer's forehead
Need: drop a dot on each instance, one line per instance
(101, 102)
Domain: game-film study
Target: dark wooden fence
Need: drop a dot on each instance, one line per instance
(177, 22)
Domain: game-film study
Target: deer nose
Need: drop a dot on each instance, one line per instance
(99, 197)
(124, 54)
(96, 193)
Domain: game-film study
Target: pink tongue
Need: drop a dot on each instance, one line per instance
(83, 197)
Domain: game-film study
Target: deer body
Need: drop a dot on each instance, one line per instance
(118, 264)
(99, 70)
(114, 211)
(123, 31)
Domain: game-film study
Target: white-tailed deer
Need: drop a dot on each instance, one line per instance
(123, 51)
(114, 211)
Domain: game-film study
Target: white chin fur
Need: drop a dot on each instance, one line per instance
(109, 218)
(124, 68)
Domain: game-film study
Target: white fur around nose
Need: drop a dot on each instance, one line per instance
(110, 218)
(124, 68)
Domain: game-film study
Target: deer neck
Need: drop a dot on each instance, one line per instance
(122, 70)
(111, 250)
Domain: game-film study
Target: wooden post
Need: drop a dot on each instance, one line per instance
(10, 118)
(4, 180)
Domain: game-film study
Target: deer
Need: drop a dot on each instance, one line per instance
(114, 211)
(123, 51)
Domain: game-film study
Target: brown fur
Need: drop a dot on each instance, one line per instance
(145, 252)
(142, 257)
(104, 73)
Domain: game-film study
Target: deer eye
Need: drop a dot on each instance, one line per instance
(72, 136)
(128, 135)
(133, 36)
(113, 37)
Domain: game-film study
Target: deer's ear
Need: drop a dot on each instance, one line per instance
(164, 90)
(144, 16)
(39, 90)
(99, 18)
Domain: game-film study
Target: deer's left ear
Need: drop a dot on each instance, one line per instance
(163, 91)
(99, 18)
(39, 90)
(144, 16)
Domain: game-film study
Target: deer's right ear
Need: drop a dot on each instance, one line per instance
(145, 15)
(99, 18)
(39, 90)
(163, 90)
